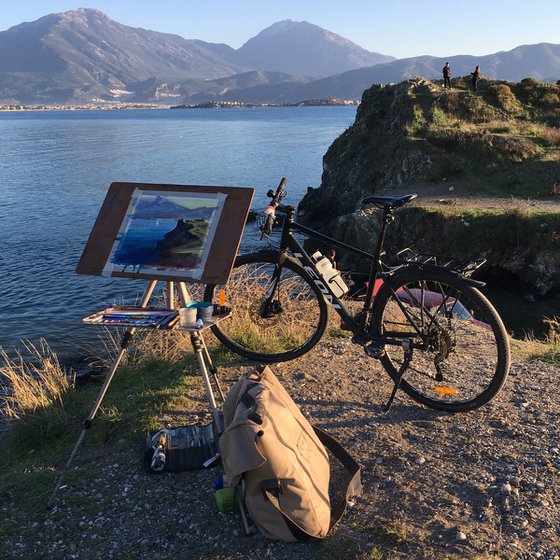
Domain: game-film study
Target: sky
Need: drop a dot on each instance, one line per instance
(400, 28)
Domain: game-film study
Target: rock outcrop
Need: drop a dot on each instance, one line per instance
(458, 150)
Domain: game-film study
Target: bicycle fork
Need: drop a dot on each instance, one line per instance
(273, 306)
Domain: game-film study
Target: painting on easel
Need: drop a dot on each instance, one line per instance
(174, 232)
(166, 230)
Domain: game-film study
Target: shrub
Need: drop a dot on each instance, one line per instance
(438, 117)
(505, 98)
(418, 120)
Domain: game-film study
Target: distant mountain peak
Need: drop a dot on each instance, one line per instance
(84, 16)
(300, 47)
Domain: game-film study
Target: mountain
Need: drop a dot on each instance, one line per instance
(541, 61)
(84, 57)
(303, 48)
(160, 207)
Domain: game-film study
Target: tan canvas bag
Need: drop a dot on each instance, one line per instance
(281, 458)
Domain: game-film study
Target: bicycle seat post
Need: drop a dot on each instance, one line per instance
(388, 218)
(376, 265)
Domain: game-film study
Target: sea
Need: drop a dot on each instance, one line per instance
(55, 170)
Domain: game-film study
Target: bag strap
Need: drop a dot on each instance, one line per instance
(353, 487)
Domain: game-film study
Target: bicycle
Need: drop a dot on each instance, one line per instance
(425, 319)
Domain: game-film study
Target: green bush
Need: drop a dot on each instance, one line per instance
(438, 117)
(505, 98)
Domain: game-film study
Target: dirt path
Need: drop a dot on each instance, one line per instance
(479, 485)
(456, 196)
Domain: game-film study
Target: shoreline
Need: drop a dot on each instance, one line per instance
(329, 102)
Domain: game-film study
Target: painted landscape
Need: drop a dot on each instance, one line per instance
(163, 232)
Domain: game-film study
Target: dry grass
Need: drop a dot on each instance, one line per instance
(32, 383)
(547, 350)
(247, 289)
(147, 345)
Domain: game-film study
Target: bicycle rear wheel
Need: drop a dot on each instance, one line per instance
(460, 356)
(274, 318)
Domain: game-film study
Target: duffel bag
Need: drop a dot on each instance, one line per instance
(282, 460)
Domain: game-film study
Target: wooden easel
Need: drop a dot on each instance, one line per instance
(203, 358)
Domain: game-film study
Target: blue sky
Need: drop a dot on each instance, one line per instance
(401, 28)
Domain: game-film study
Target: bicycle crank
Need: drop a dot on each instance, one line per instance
(373, 350)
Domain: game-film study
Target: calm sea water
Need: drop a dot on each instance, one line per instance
(56, 167)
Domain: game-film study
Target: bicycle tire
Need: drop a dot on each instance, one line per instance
(466, 358)
(290, 331)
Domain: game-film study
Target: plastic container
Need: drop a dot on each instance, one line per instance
(330, 275)
(187, 316)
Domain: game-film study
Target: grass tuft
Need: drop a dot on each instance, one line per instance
(31, 385)
(547, 350)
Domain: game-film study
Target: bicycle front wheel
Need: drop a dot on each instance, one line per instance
(460, 349)
(278, 313)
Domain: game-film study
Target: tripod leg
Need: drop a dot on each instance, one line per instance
(213, 369)
(91, 415)
(184, 296)
(127, 338)
(170, 295)
(199, 353)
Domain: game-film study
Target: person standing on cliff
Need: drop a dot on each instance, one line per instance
(447, 76)
(475, 77)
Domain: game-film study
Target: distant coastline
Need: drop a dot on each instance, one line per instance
(329, 101)
(307, 103)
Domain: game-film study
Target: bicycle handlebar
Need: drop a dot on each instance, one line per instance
(280, 192)
(270, 211)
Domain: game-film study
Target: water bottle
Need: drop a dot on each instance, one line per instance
(330, 275)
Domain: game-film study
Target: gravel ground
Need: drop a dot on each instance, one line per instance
(477, 485)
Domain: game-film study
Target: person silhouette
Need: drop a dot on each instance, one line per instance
(475, 77)
(447, 76)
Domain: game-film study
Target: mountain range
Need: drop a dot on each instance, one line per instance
(84, 57)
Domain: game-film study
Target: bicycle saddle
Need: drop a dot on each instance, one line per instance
(389, 202)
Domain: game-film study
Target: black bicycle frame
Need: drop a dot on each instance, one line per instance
(288, 241)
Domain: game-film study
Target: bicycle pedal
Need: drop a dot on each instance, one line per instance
(374, 351)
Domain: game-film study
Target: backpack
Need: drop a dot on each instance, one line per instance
(282, 460)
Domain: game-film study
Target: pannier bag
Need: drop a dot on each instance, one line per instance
(282, 459)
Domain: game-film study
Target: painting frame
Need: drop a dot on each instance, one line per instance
(187, 233)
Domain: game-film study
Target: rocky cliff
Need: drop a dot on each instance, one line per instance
(486, 167)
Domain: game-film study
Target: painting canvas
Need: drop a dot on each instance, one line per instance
(167, 232)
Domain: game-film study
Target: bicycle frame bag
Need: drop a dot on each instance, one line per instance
(282, 459)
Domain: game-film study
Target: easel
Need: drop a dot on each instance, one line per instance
(202, 356)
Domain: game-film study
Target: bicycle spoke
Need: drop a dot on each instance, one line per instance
(457, 360)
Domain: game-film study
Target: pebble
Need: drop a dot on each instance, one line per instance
(505, 488)
(468, 451)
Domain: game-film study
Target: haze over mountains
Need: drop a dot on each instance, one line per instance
(84, 57)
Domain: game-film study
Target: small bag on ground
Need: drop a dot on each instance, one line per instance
(181, 449)
(282, 459)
